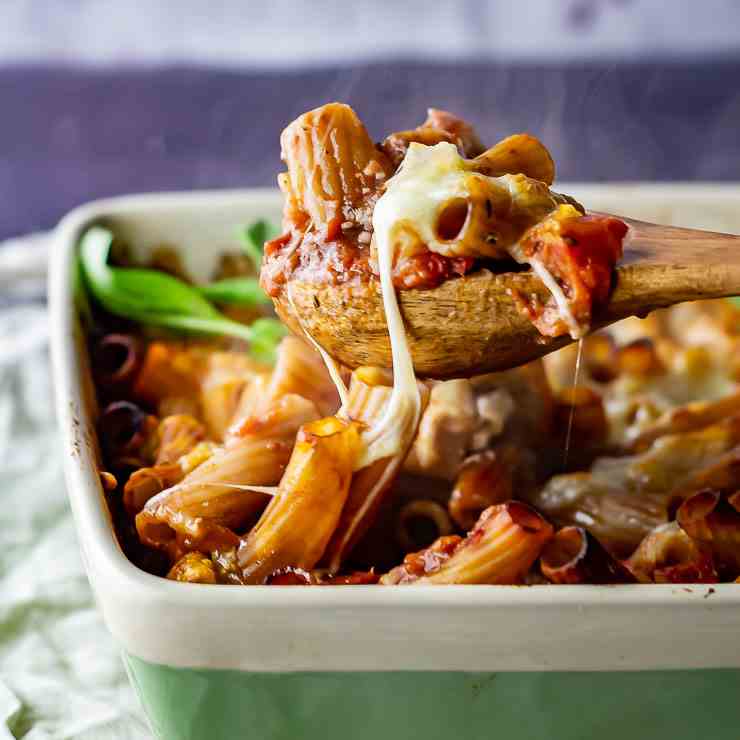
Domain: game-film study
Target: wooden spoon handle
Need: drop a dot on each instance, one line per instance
(664, 265)
(472, 325)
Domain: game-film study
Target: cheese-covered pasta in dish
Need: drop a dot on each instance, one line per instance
(252, 458)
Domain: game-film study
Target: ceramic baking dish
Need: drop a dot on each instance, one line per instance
(223, 661)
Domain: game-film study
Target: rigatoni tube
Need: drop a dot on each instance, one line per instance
(500, 549)
(574, 555)
(199, 512)
(296, 527)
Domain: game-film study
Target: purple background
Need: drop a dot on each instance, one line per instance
(69, 135)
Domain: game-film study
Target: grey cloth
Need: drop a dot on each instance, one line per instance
(60, 672)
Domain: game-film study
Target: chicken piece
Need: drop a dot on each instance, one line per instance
(528, 415)
(467, 416)
(445, 431)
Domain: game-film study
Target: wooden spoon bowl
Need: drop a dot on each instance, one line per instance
(471, 325)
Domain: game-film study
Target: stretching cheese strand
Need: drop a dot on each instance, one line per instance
(401, 416)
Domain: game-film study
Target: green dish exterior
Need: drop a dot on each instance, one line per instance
(189, 704)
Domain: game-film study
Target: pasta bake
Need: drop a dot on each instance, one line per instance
(235, 453)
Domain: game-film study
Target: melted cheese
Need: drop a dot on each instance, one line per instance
(431, 176)
(401, 416)
(428, 178)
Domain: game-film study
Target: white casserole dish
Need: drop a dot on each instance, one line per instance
(364, 628)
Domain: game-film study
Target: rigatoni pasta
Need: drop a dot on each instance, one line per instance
(368, 402)
(574, 555)
(669, 555)
(332, 163)
(201, 511)
(501, 548)
(300, 520)
(199, 489)
(714, 520)
(181, 448)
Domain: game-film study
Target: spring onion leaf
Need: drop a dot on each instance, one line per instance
(158, 299)
(253, 239)
(240, 291)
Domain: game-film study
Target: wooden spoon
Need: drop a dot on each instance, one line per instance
(471, 325)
